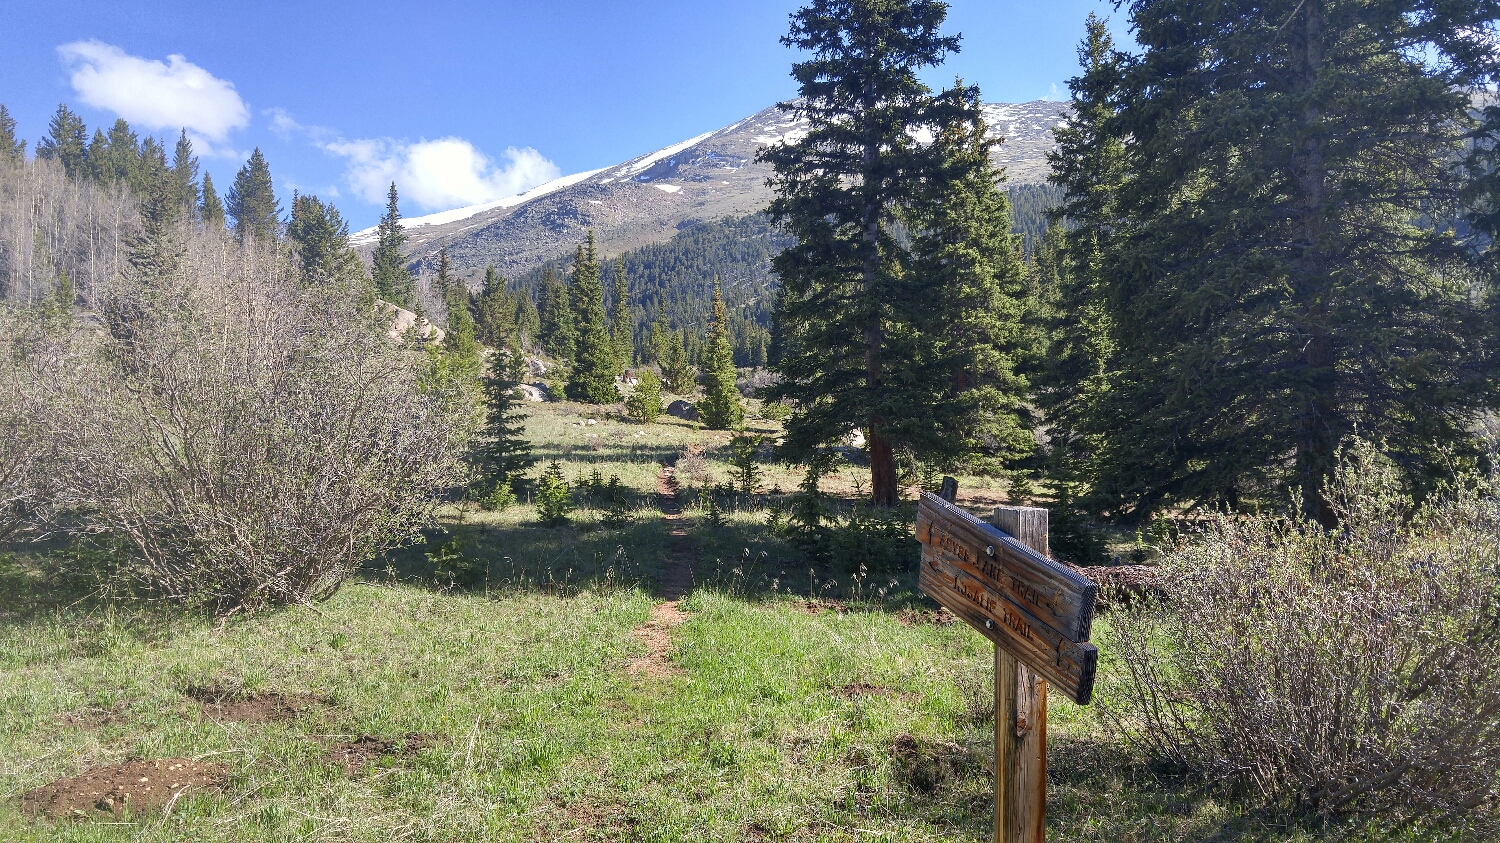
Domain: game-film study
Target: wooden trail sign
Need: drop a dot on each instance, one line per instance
(1004, 585)
(1032, 607)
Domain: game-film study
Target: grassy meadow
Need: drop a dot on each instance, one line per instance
(506, 665)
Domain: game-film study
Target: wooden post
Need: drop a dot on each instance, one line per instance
(1020, 715)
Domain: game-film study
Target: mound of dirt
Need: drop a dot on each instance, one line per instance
(365, 750)
(137, 785)
(266, 707)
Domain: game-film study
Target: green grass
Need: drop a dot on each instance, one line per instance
(778, 722)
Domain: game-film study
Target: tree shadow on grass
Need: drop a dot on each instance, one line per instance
(51, 583)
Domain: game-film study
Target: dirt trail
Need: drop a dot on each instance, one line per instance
(676, 581)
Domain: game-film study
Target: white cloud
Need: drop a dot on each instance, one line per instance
(439, 174)
(158, 95)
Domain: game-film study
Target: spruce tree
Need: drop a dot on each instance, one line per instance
(720, 408)
(863, 341)
(156, 252)
(118, 159)
(621, 323)
(964, 258)
(96, 155)
(211, 212)
(1272, 281)
(458, 338)
(676, 369)
(320, 237)
(393, 279)
(1072, 374)
(495, 313)
(66, 143)
(592, 380)
(185, 172)
(11, 149)
(501, 453)
(558, 334)
(252, 201)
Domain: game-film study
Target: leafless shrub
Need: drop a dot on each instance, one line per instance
(693, 468)
(36, 364)
(1355, 672)
(252, 439)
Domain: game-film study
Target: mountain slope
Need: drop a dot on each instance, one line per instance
(649, 199)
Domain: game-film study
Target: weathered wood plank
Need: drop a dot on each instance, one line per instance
(1067, 664)
(1021, 717)
(1048, 591)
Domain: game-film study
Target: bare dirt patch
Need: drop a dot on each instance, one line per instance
(94, 717)
(856, 690)
(138, 786)
(921, 617)
(816, 607)
(221, 705)
(365, 750)
(655, 634)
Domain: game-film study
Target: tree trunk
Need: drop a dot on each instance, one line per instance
(1316, 429)
(882, 468)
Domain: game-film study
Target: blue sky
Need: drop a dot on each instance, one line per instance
(460, 102)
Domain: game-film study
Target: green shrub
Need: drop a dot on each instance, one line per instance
(554, 500)
(617, 509)
(742, 453)
(775, 411)
(1349, 672)
(502, 496)
(644, 404)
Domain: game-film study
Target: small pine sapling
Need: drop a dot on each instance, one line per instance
(617, 510)
(554, 500)
(742, 450)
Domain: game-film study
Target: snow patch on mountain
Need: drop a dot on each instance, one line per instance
(644, 163)
(370, 235)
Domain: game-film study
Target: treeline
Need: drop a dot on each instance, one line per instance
(671, 285)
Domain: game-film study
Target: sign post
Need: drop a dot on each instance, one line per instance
(1038, 613)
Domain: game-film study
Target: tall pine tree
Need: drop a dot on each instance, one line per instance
(320, 237)
(252, 201)
(66, 143)
(557, 333)
(861, 338)
(592, 380)
(458, 339)
(211, 211)
(185, 173)
(720, 408)
(394, 282)
(1072, 374)
(1272, 280)
(11, 150)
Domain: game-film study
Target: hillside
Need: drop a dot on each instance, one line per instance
(649, 199)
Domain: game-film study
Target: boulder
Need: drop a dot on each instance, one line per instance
(534, 392)
(682, 410)
(536, 367)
